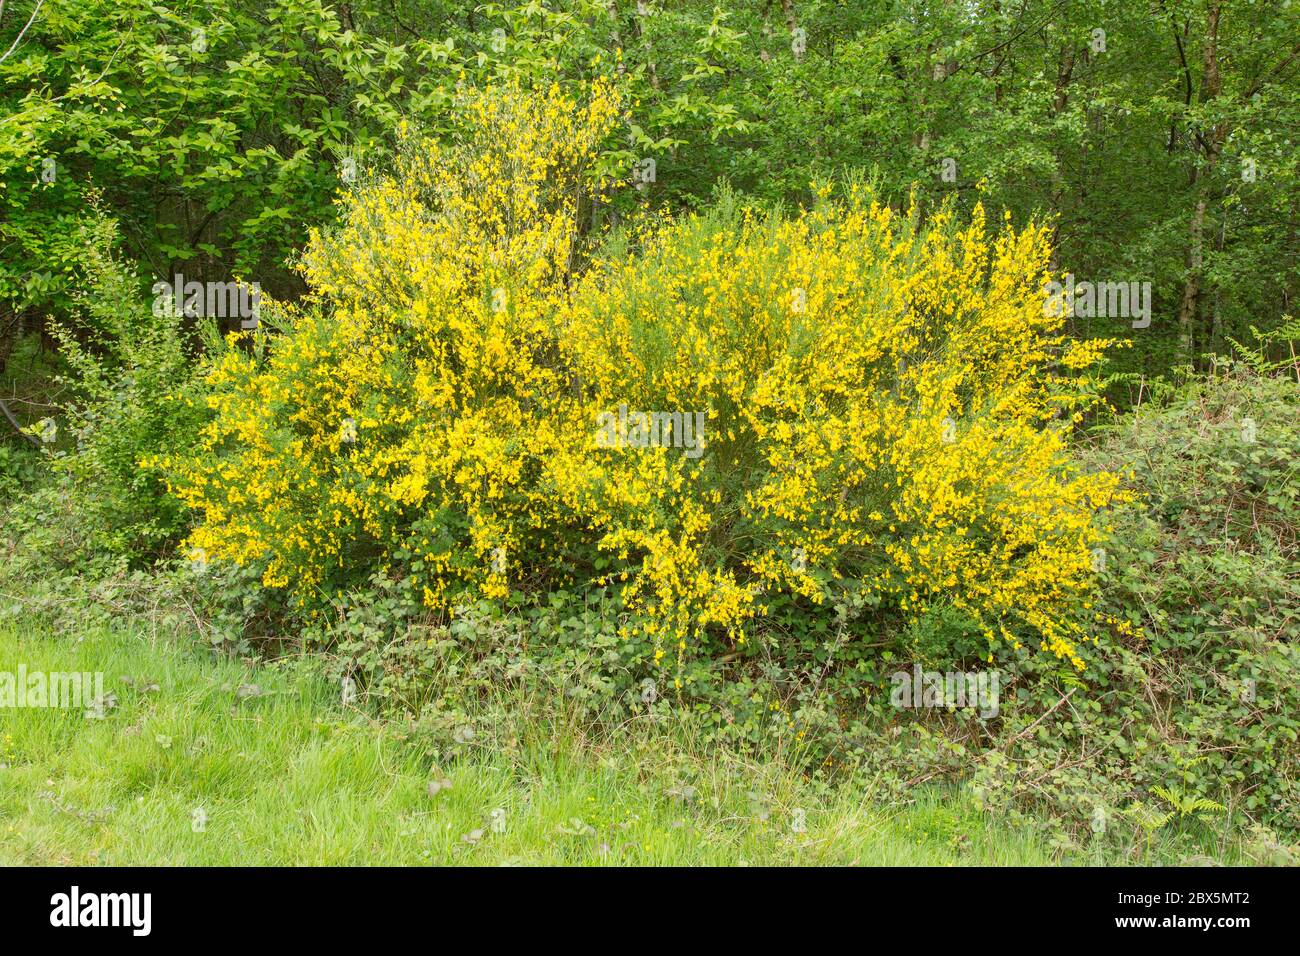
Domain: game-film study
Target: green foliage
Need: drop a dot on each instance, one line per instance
(1198, 707)
(1273, 351)
(19, 469)
(128, 394)
(218, 131)
(214, 130)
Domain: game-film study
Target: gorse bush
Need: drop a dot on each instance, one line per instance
(403, 405)
(405, 409)
(713, 416)
(883, 420)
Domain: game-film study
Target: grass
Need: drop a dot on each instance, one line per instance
(291, 776)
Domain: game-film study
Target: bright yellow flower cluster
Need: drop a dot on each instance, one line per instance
(883, 415)
(882, 404)
(404, 410)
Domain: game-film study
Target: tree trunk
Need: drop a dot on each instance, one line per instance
(1210, 144)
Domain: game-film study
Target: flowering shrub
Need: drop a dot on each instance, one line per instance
(713, 414)
(881, 413)
(408, 407)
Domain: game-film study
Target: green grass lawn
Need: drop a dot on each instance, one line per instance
(291, 776)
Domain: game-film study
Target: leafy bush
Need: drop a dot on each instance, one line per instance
(880, 406)
(19, 468)
(129, 377)
(1197, 699)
